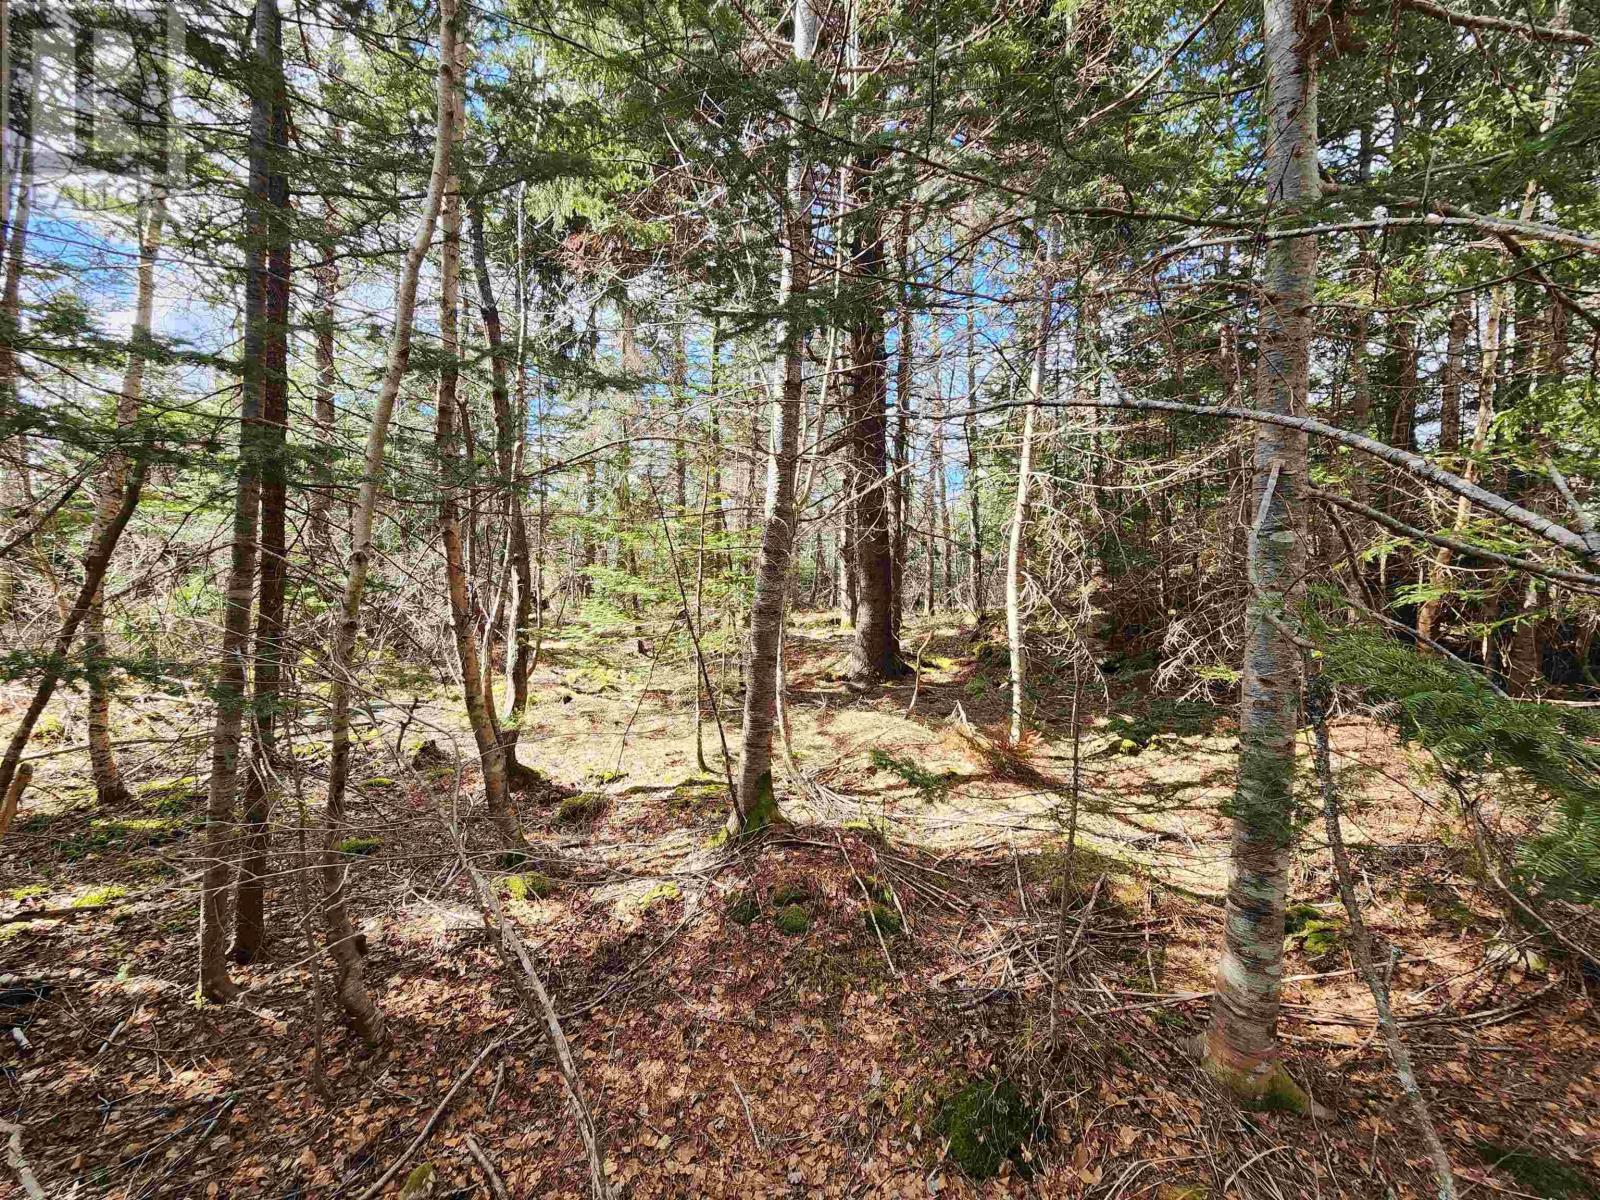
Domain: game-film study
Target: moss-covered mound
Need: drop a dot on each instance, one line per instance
(792, 920)
(1537, 1175)
(985, 1124)
(882, 919)
(530, 884)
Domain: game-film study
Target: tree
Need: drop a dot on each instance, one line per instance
(1241, 1043)
(349, 984)
(110, 791)
(756, 802)
(222, 842)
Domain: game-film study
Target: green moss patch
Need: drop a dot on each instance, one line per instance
(660, 894)
(745, 909)
(1313, 931)
(101, 895)
(1538, 1175)
(529, 885)
(880, 918)
(986, 1124)
(764, 810)
(793, 920)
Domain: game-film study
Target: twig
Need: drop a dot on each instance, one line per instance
(748, 1119)
(14, 1159)
(433, 1119)
(1067, 867)
(1083, 917)
(496, 1184)
(883, 945)
(514, 953)
(916, 682)
(1361, 944)
(699, 656)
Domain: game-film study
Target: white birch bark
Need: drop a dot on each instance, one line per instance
(756, 802)
(348, 981)
(1242, 1045)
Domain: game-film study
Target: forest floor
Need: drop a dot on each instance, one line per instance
(803, 1015)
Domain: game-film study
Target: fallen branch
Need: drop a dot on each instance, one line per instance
(514, 953)
(14, 1159)
(1361, 945)
(496, 1184)
(55, 914)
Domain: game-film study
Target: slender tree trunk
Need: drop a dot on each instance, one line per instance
(16, 491)
(95, 563)
(452, 470)
(322, 412)
(757, 803)
(969, 428)
(1360, 377)
(508, 438)
(941, 495)
(1428, 615)
(1361, 944)
(1455, 366)
(261, 787)
(903, 382)
(222, 842)
(1524, 658)
(930, 510)
(348, 981)
(1242, 1045)
(110, 791)
(1019, 510)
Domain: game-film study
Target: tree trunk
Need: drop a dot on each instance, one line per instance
(900, 464)
(222, 841)
(969, 428)
(1455, 360)
(756, 802)
(348, 982)
(508, 440)
(1241, 1044)
(1429, 613)
(1019, 510)
(250, 926)
(876, 653)
(452, 470)
(15, 490)
(941, 495)
(95, 562)
(110, 791)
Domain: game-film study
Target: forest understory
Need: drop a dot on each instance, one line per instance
(857, 1002)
